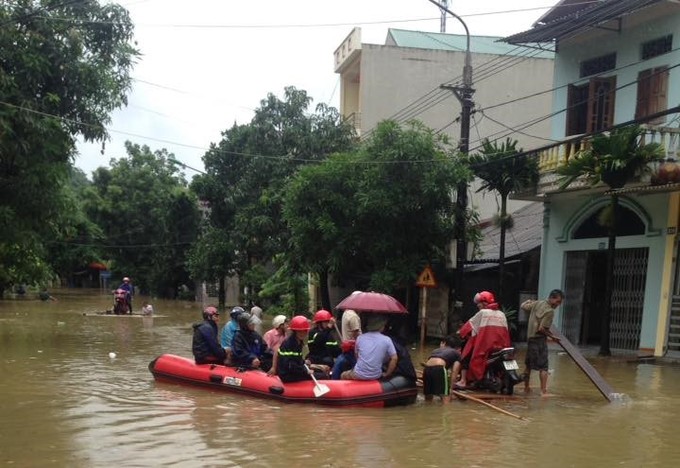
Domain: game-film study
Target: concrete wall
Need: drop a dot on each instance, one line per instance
(391, 78)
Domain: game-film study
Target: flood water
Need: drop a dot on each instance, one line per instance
(65, 402)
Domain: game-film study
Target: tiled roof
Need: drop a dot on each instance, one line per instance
(578, 21)
(458, 42)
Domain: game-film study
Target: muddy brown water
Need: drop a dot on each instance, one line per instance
(65, 402)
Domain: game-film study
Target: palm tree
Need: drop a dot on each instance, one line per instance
(505, 169)
(614, 160)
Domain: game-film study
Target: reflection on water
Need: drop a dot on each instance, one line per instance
(66, 403)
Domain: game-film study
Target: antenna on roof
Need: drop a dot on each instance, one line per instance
(442, 23)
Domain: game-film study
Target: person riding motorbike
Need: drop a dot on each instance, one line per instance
(129, 292)
(486, 331)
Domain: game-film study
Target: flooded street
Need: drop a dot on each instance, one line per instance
(65, 402)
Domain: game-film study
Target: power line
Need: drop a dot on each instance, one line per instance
(286, 157)
(533, 122)
(324, 25)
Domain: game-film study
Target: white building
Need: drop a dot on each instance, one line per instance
(401, 80)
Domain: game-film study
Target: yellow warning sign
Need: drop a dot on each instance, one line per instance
(426, 279)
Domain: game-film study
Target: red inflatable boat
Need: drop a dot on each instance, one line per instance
(372, 393)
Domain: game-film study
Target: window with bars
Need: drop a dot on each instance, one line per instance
(597, 65)
(656, 47)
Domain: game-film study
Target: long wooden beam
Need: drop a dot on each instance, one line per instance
(587, 368)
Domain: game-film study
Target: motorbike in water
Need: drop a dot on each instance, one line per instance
(120, 303)
(501, 373)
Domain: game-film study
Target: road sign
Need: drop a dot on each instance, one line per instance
(426, 279)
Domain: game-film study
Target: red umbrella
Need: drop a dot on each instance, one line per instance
(97, 266)
(372, 302)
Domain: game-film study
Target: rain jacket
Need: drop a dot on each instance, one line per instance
(204, 344)
(485, 331)
(247, 345)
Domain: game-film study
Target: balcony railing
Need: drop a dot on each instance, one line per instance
(553, 156)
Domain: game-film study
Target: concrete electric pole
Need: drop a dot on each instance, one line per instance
(464, 94)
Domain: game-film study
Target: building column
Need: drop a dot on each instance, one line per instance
(667, 277)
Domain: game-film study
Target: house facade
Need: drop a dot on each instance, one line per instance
(401, 80)
(616, 63)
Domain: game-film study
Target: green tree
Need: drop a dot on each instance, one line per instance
(504, 169)
(77, 243)
(613, 159)
(320, 211)
(64, 66)
(381, 211)
(248, 169)
(150, 219)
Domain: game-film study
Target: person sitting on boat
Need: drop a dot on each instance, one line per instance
(129, 292)
(373, 350)
(346, 360)
(204, 345)
(405, 366)
(248, 348)
(229, 330)
(277, 334)
(288, 362)
(323, 342)
(485, 331)
(256, 312)
(443, 361)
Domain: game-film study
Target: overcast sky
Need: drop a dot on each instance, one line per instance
(206, 64)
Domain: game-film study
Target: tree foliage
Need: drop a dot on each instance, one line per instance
(380, 211)
(614, 159)
(504, 169)
(246, 175)
(64, 66)
(149, 217)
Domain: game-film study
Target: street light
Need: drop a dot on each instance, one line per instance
(464, 94)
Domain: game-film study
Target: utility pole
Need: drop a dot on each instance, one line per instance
(464, 94)
(442, 22)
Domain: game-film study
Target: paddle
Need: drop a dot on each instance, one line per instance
(319, 389)
(469, 397)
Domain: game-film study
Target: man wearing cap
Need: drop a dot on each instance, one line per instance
(277, 334)
(129, 292)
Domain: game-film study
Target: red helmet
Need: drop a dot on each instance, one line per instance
(484, 297)
(322, 316)
(299, 323)
(210, 311)
(347, 346)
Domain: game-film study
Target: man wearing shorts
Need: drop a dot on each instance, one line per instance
(541, 315)
(436, 379)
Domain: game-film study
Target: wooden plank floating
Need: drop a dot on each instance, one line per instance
(587, 368)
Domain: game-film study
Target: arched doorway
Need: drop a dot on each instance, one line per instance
(585, 276)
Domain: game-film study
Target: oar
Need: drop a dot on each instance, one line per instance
(501, 410)
(319, 389)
